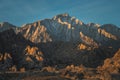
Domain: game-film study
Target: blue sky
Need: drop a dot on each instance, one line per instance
(19, 12)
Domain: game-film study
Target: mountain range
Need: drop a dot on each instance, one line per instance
(62, 40)
(63, 27)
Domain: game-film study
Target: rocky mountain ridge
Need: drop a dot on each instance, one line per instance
(63, 27)
(66, 28)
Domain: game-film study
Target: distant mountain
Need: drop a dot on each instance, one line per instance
(5, 26)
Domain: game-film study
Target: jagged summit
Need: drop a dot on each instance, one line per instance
(65, 15)
(62, 15)
(93, 24)
(66, 19)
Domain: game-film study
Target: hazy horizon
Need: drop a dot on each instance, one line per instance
(25, 11)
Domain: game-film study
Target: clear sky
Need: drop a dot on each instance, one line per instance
(19, 12)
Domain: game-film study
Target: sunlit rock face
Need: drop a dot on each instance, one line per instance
(112, 65)
(36, 32)
(33, 58)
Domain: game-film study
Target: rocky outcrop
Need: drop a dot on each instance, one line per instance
(33, 58)
(112, 65)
